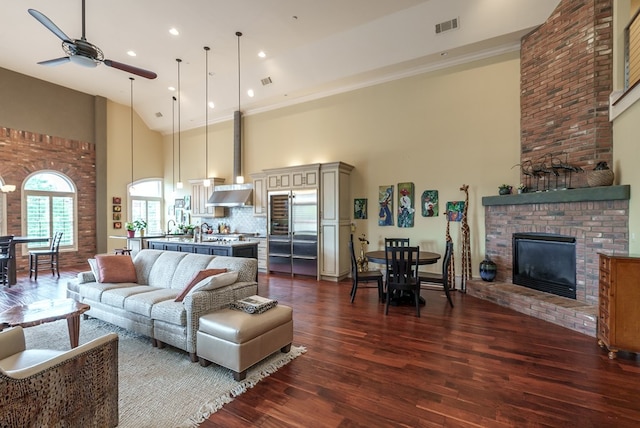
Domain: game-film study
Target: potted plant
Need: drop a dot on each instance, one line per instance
(140, 225)
(504, 189)
(522, 188)
(131, 229)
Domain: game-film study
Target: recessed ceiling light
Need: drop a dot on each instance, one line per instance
(211, 105)
(250, 93)
(174, 31)
(131, 53)
(261, 54)
(171, 88)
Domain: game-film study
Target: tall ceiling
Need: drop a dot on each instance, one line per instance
(313, 48)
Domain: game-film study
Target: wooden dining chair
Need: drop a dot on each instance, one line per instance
(393, 243)
(48, 257)
(5, 257)
(441, 278)
(403, 275)
(363, 277)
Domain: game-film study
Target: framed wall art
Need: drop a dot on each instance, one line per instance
(117, 200)
(179, 203)
(117, 225)
(385, 200)
(454, 210)
(429, 202)
(117, 208)
(360, 209)
(117, 216)
(406, 210)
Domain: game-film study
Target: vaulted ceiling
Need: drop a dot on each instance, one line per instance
(313, 48)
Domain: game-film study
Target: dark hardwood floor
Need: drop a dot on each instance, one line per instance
(476, 365)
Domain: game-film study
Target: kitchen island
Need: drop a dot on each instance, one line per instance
(246, 248)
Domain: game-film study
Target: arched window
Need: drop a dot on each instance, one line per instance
(146, 204)
(49, 205)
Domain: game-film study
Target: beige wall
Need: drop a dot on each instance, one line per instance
(437, 130)
(148, 160)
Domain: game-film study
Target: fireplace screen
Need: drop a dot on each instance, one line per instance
(545, 262)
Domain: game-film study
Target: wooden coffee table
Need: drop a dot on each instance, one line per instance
(46, 311)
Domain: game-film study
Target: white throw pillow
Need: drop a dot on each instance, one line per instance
(215, 281)
(93, 264)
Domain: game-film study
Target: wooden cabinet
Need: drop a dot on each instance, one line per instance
(259, 194)
(619, 304)
(200, 196)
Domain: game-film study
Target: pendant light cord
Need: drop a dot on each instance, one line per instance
(206, 114)
(131, 79)
(178, 60)
(173, 143)
(239, 34)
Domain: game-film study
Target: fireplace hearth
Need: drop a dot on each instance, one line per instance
(545, 262)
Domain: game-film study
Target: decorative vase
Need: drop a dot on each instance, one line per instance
(141, 232)
(488, 270)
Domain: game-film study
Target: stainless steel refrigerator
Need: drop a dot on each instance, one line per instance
(293, 232)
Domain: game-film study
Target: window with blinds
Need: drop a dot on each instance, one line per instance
(632, 52)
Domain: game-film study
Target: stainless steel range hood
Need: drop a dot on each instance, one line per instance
(231, 195)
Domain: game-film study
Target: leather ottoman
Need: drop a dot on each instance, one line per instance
(237, 340)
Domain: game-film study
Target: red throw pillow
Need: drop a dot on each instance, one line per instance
(205, 273)
(116, 268)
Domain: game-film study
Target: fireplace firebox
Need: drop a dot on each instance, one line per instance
(545, 262)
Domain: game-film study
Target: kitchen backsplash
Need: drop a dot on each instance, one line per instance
(240, 219)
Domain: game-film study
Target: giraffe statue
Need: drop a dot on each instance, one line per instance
(466, 242)
(451, 272)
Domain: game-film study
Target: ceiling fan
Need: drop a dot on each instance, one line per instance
(81, 52)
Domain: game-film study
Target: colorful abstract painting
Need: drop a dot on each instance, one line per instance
(360, 209)
(454, 210)
(406, 204)
(385, 200)
(430, 203)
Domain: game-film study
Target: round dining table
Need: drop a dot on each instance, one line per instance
(424, 258)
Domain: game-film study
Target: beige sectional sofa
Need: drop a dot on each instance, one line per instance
(148, 306)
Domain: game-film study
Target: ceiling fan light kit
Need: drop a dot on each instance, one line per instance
(81, 51)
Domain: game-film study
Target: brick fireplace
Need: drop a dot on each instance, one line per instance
(566, 78)
(597, 217)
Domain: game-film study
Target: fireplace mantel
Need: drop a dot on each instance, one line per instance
(603, 193)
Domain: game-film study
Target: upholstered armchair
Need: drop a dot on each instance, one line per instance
(76, 388)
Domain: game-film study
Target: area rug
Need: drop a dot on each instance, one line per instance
(161, 387)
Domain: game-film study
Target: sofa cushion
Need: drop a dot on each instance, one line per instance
(93, 290)
(115, 269)
(217, 281)
(142, 303)
(201, 275)
(117, 296)
(170, 311)
(174, 270)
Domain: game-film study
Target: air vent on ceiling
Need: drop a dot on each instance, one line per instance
(266, 81)
(451, 24)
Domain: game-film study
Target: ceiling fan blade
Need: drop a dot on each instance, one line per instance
(130, 69)
(49, 24)
(56, 61)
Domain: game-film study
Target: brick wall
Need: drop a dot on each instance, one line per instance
(23, 153)
(566, 79)
(597, 225)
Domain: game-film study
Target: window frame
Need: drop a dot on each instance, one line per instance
(50, 194)
(146, 199)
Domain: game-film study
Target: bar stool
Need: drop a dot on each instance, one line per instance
(50, 257)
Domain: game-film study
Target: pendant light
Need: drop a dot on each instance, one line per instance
(206, 182)
(131, 188)
(179, 184)
(237, 128)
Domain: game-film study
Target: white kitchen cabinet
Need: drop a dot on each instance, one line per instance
(297, 177)
(259, 194)
(200, 196)
(335, 220)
